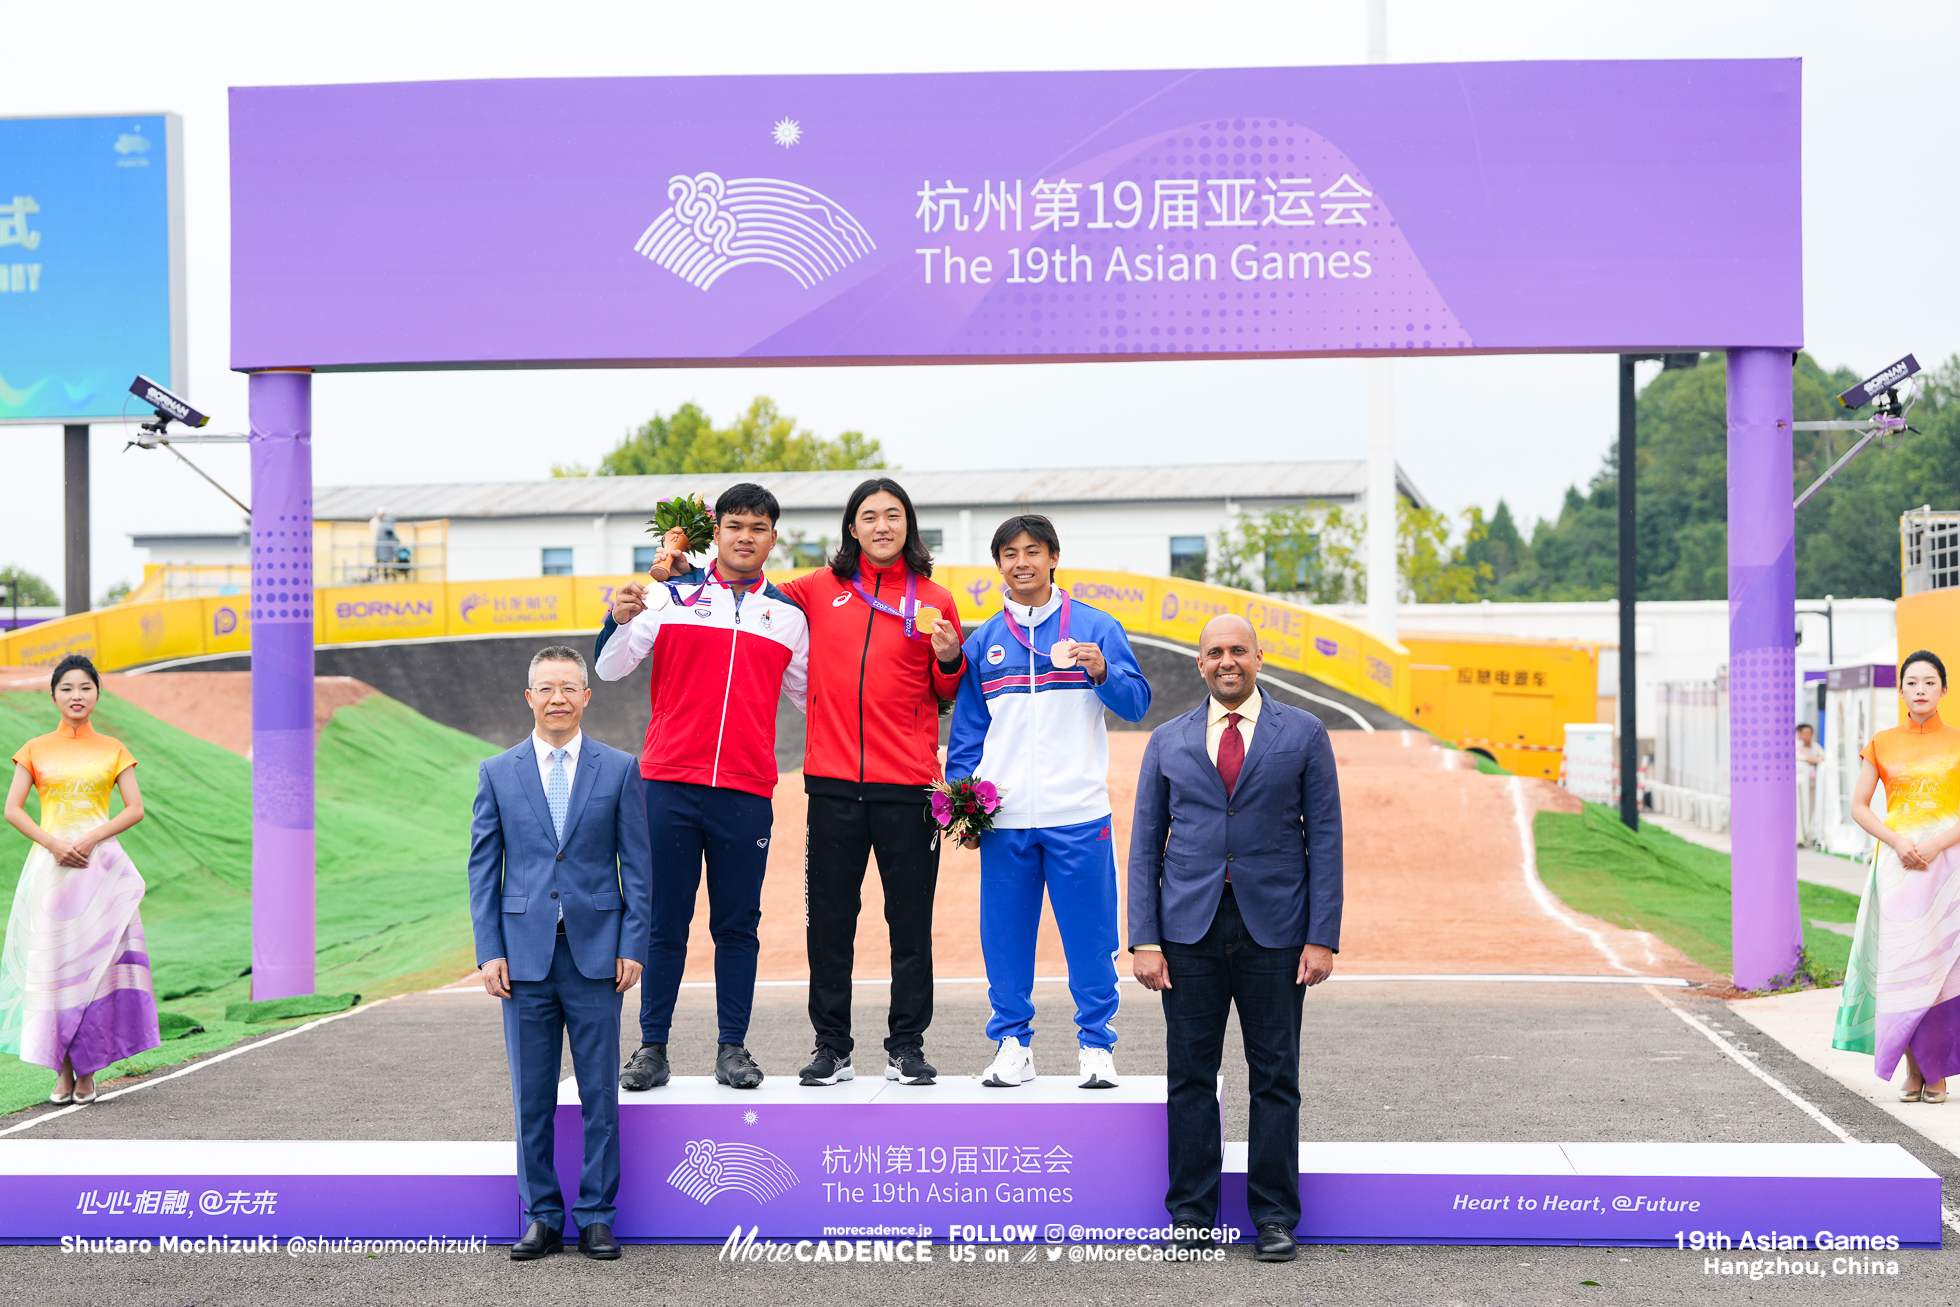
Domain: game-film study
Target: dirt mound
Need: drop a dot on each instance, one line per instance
(214, 706)
(1437, 878)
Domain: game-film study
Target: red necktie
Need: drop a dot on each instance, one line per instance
(1231, 760)
(1231, 753)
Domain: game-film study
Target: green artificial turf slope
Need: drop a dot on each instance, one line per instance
(1663, 884)
(392, 793)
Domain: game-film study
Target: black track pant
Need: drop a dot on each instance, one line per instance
(843, 833)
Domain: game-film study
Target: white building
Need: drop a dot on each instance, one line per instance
(1147, 520)
(1674, 640)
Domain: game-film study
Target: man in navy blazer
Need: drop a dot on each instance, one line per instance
(560, 883)
(1235, 898)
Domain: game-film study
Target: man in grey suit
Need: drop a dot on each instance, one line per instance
(1235, 898)
(560, 883)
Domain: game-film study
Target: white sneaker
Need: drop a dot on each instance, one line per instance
(1098, 1069)
(1013, 1066)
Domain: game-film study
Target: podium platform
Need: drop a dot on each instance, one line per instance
(1048, 1161)
(954, 1162)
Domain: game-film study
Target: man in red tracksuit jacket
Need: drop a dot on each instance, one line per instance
(871, 752)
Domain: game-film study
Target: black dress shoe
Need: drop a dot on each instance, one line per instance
(735, 1068)
(1190, 1233)
(1275, 1244)
(538, 1241)
(596, 1241)
(646, 1069)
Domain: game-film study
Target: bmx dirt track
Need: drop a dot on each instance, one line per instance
(1437, 876)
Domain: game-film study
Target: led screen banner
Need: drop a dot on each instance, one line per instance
(983, 217)
(91, 263)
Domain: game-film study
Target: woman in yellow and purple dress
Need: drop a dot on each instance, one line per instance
(1902, 987)
(75, 991)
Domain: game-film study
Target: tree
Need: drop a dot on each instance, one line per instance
(761, 440)
(34, 592)
(1847, 536)
(1320, 551)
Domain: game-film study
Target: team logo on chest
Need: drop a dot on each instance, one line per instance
(841, 600)
(995, 653)
(706, 610)
(768, 623)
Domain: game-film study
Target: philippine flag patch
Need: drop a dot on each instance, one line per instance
(995, 653)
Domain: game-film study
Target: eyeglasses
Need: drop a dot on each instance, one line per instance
(555, 691)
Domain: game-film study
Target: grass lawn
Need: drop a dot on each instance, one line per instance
(393, 792)
(1661, 883)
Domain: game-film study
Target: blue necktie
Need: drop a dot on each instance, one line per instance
(557, 797)
(557, 794)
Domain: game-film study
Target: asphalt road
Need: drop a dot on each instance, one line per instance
(1387, 1061)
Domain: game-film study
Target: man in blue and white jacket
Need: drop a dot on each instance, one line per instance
(1030, 719)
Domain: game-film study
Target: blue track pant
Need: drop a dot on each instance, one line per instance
(1077, 866)
(731, 827)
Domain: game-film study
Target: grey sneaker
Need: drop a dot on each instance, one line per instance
(907, 1064)
(646, 1069)
(735, 1068)
(827, 1068)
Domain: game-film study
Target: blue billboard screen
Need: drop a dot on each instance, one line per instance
(91, 263)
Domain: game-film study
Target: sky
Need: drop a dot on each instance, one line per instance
(1877, 122)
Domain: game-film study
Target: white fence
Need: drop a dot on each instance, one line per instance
(1691, 751)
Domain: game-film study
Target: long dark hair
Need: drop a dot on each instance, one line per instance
(848, 559)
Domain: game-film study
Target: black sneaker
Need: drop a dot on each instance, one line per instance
(907, 1064)
(646, 1069)
(827, 1068)
(735, 1068)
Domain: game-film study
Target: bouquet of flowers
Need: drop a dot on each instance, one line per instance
(689, 513)
(964, 807)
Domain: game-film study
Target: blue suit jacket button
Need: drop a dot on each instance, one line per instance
(554, 894)
(1230, 857)
(561, 858)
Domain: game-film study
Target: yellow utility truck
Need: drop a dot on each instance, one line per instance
(1506, 698)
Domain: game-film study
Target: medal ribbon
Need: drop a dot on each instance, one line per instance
(714, 577)
(1027, 641)
(911, 600)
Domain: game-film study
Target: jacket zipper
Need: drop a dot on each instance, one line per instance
(721, 727)
(864, 661)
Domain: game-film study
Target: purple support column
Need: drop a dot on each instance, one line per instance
(1766, 930)
(282, 683)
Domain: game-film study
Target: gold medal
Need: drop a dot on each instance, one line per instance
(1063, 654)
(924, 619)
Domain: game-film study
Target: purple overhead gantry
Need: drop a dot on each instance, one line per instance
(1610, 207)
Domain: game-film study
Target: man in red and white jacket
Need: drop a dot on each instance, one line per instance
(724, 644)
(884, 652)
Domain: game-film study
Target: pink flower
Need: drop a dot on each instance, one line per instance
(942, 808)
(989, 794)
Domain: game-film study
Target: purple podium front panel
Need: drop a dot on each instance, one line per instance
(1402, 208)
(282, 684)
(874, 1159)
(201, 1189)
(1621, 1195)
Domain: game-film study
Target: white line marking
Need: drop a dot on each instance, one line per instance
(226, 1055)
(1546, 901)
(1359, 720)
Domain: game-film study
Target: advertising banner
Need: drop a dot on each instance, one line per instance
(91, 264)
(371, 612)
(1406, 209)
(131, 634)
(539, 603)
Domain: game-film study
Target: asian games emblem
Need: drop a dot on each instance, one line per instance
(709, 1170)
(716, 223)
